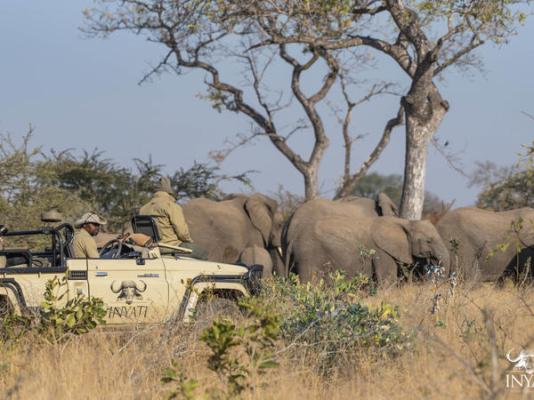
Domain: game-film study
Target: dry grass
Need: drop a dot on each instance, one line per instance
(451, 357)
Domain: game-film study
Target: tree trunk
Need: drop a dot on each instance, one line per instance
(310, 183)
(418, 135)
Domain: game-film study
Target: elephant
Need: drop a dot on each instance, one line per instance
(485, 245)
(255, 255)
(374, 246)
(381, 206)
(350, 207)
(227, 228)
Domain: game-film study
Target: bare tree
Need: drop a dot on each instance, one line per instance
(424, 38)
(350, 178)
(208, 35)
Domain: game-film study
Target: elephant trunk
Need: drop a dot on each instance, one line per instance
(278, 262)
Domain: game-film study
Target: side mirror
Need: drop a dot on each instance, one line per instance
(140, 260)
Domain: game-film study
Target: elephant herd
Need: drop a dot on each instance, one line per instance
(360, 235)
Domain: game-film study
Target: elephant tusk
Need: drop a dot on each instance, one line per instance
(279, 251)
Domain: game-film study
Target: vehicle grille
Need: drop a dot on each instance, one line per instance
(77, 275)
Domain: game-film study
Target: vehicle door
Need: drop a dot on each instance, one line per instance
(135, 290)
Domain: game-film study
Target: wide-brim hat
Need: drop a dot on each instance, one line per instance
(90, 218)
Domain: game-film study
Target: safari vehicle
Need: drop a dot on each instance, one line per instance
(137, 284)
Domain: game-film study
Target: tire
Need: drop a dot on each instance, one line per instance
(5, 306)
(216, 308)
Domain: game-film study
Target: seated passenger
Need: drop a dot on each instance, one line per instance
(170, 220)
(84, 244)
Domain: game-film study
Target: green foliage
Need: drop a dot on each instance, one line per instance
(329, 319)
(203, 180)
(23, 194)
(372, 184)
(57, 317)
(112, 190)
(32, 181)
(495, 17)
(76, 316)
(237, 353)
(506, 188)
(326, 320)
(185, 388)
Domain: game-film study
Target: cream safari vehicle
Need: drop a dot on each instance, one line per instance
(137, 284)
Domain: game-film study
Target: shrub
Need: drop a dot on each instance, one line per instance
(77, 316)
(329, 319)
(55, 319)
(238, 352)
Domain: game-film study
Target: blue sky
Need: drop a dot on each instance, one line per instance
(83, 93)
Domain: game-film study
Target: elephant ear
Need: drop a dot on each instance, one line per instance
(385, 206)
(391, 236)
(260, 216)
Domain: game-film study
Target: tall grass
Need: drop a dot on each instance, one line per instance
(456, 352)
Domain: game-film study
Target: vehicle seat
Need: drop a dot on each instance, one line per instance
(17, 259)
(146, 225)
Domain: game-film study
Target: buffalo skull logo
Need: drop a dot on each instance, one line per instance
(129, 290)
(523, 361)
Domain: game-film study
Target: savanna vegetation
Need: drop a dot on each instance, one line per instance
(337, 339)
(33, 180)
(334, 338)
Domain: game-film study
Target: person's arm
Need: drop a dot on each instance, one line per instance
(177, 219)
(90, 249)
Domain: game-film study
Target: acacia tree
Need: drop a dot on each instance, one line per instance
(206, 35)
(423, 37)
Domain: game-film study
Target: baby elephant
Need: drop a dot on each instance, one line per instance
(256, 255)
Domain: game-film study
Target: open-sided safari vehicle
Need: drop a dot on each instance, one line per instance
(137, 284)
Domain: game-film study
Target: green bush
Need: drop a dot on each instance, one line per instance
(237, 353)
(77, 316)
(329, 319)
(326, 320)
(55, 319)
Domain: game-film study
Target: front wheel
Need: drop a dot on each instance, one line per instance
(5, 307)
(214, 308)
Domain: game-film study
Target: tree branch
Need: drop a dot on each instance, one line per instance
(349, 183)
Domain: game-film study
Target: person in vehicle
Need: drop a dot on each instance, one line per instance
(84, 244)
(170, 220)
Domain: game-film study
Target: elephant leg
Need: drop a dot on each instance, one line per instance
(385, 268)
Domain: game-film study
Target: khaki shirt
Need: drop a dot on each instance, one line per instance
(84, 245)
(169, 218)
